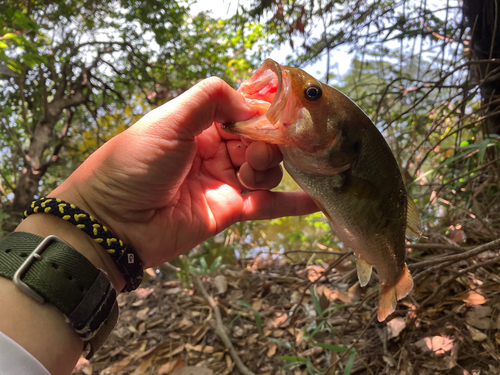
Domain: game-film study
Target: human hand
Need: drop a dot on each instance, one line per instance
(170, 181)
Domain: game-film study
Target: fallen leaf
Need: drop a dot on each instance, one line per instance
(143, 314)
(395, 327)
(257, 305)
(479, 322)
(142, 293)
(252, 339)
(220, 283)
(389, 360)
(142, 328)
(174, 291)
(473, 298)
(497, 338)
(458, 236)
(436, 344)
(168, 367)
(143, 367)
(193, 370)
(295, 298)
(315, 350)
(271, 350)
(476, 334)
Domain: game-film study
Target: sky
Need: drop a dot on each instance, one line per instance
(339, 60)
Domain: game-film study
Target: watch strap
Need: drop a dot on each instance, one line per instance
(49, 270)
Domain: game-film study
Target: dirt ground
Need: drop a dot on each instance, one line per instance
(282, 318)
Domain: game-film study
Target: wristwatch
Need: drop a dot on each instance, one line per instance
(49, 270)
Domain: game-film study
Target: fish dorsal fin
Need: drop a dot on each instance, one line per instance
(414, 227)
(364, 271)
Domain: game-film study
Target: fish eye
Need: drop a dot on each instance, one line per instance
(312, 93)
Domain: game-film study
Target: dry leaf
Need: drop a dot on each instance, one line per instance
(479, 322)
(142, 293)
(295, 298)
(271, 350)
(174, 291)
(498, 321)
(315, 350)
(497, 338)
(279, 320)
(143, 367)
(185, 323)
(257, 305)
(476, 334)
(436, 344)
(142, 328)
(142, 314)
(395, 327)
(193, 370)
(389, 360)
(168, 367)
(220, 283)
(473, 298)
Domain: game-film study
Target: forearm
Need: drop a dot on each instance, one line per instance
(41, 328)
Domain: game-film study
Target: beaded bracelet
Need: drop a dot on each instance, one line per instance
(123, 256)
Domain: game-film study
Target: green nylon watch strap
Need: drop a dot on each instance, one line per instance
(64, 278)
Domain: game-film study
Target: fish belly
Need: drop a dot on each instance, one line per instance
(373, 227)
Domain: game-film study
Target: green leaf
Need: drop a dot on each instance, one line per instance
(350, 362)
(310, 367)
(9, 36)
(15, 66)
(245, 304)
(315, 300)
(294, 359)
(258, 321)
(204, 265)
(284, 344)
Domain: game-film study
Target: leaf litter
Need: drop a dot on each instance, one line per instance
(283, 318)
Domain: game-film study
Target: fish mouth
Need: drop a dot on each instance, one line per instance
(267, 91)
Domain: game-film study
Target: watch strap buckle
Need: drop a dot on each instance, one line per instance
(28, 262)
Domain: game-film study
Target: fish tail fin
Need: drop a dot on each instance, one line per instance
(389, 295)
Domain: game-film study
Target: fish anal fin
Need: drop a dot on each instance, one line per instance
(414, 227)
(389, 295)
(364, 271)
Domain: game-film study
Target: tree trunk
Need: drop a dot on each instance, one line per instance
(34, 164)
(483, 17)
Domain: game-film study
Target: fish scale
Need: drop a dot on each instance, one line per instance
(336, 155)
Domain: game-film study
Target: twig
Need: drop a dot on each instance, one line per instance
(332, 366)
(438, 246)
(323, 274)
(219, 323)
(458, 274)
(457, 257)
(325, 252)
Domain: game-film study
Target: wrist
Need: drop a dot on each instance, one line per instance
(45, 225)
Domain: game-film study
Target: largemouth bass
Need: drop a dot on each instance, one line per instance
(336, 154)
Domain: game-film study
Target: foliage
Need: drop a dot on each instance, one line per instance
(74, 74)
(415, 73)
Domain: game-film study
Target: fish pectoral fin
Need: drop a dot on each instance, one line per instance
(414, 227)
(364, 271)
(389, 295)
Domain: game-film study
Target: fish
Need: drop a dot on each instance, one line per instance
(337, 155)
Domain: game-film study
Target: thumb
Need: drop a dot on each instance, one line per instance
(195, 110)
